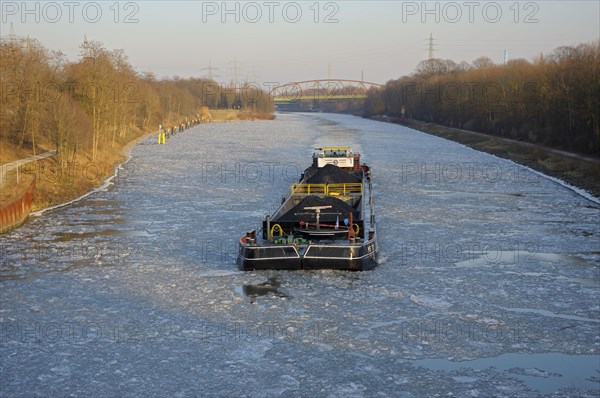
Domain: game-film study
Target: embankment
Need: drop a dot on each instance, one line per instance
(580, 171)
(17, 209)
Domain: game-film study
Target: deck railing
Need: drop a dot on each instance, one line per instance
(327, 189)
(344, 188)
(308, 189)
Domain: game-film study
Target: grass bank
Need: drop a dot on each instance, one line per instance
(577, 170)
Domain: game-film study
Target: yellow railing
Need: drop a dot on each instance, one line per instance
(309, 189)
(344, 188)
(327, 189)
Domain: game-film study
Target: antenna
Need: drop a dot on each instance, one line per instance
(210, 69)
(11, 35)
(86, 48)
(235, 70)
(430, 46)
(253, 76)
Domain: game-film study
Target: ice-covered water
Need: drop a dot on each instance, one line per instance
(489, 281)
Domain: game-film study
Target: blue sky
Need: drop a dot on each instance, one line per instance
(284, 41)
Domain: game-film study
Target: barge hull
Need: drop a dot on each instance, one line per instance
(364, 260)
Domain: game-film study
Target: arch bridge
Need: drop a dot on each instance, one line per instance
(321, 90)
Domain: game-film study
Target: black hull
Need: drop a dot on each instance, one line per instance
(313, 257)
(266, 264)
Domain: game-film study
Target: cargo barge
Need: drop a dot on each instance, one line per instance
(326, 221)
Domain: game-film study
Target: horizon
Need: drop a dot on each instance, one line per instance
(266, 42)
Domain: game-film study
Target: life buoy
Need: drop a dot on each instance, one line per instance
(357, 229)
(273, 230)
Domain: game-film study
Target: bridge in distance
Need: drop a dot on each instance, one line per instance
(321, 90)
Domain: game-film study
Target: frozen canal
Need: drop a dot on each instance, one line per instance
(488, 285)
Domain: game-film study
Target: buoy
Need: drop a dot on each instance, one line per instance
(273, 228)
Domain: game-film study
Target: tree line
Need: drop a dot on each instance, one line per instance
(82, 108)
(553, 100)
